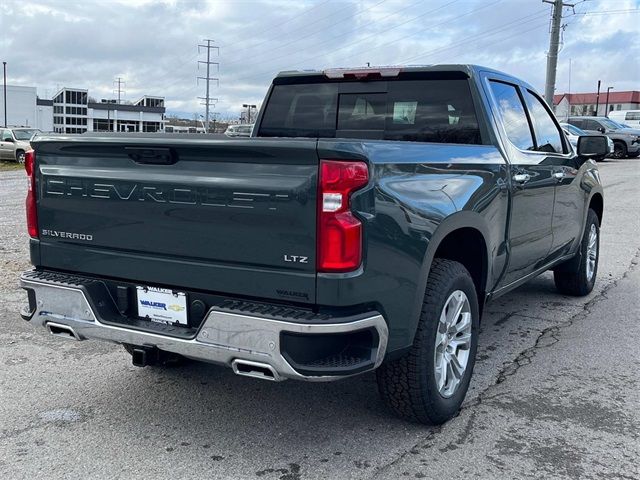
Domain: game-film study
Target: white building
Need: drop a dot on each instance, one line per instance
(23, 109)
(73, 111)
(145, 115)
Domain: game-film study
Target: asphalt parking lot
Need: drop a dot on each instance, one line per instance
(556, 391)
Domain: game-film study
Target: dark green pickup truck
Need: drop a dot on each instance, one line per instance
(364, 226)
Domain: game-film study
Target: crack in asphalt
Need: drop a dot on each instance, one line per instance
(413, 450)
(546, 338)
(550, 335)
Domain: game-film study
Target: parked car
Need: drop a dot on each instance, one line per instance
(365, 227)
(626, 117)
(14, 142)
(626, 141)
(238, 130)
(573, 133)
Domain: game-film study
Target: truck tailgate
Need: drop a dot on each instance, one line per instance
(235, 217)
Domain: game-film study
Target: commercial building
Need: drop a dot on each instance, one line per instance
(567, 104)
(23, 109)
(73, 111)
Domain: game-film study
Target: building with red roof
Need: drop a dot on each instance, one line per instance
(566, 104)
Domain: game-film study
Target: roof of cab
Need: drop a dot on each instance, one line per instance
(468, 69)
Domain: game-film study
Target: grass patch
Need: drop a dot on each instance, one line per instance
(9, 166)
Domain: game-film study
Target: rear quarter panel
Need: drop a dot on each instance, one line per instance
(418, 193)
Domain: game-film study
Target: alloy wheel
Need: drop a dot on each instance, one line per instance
(592, 252)
(452, 343)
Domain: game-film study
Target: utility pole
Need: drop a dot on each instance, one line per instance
(606, 108)
(4, 89)
(554, 45)
(120, 83)
(595, 114)
(208, 101)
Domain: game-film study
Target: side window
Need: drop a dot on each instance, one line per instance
(548, 137)
(591, 125)
(577, 123)
(6, 136)
(513, 115)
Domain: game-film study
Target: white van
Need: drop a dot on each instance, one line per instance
(628, 117)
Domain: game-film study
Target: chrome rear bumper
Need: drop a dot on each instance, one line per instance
(237, 340)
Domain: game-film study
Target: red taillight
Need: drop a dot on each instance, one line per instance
(339, 231)
(32, 218)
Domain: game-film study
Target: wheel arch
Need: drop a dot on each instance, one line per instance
(461, 237)
(596, 203)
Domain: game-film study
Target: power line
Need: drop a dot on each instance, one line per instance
(487, 33)
(610, 12)
(322, 55)
(377, 34)
(270, 30)
(208, 101)
(176, 68)
(428, 27)
(296, 41)
(517, 34)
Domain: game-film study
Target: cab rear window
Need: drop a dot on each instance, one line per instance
(411, 110)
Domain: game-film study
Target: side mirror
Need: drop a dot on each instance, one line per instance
(592, 146)
(8, 139)
(601, 130)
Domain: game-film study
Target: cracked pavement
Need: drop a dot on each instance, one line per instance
(555, 393)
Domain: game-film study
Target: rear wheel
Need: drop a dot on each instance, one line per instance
(578, 276)
(619, 150)
(429, 383)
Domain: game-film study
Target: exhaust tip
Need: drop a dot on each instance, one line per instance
(62, 331)
(263, 371)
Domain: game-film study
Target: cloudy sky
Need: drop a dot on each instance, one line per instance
(153, 44)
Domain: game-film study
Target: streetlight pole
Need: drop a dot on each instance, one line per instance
(248, 107)
(4, 90)
(606, 108)
(597, 100)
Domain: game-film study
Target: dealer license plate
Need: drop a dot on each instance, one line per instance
(162, 305)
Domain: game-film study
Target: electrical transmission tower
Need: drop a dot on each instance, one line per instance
(208, 101)
(119, 84)
(554, 44)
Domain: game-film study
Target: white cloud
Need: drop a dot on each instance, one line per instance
(153, 44)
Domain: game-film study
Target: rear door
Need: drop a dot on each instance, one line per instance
(569, 196)
(592, 126)
(234, 217)
(532, 184)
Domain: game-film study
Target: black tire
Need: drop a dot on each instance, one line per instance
(20, 156)
(162, 358)
(619, 149)
(573, 277)
(408, 384)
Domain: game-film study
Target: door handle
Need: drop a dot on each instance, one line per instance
(521, 177)
(559, 175)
